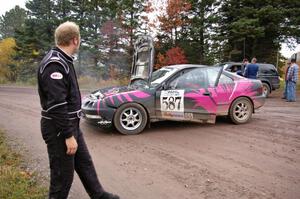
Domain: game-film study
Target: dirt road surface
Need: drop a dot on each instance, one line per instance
(174, 160)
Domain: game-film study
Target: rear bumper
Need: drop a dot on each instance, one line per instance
(258, 101)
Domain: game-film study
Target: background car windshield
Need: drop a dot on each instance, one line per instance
(162, 74)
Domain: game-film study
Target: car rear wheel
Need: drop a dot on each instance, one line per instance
(241, 110)
(130, 119)
(266, 89)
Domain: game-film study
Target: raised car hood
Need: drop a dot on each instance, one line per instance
(105, 92)
(143, 59)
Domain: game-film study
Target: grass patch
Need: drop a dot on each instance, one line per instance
(15, 182)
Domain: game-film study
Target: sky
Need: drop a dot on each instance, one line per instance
(6, 5)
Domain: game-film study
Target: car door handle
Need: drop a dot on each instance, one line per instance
(207, 93)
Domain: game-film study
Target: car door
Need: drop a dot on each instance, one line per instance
(189, 96)
(223, 93)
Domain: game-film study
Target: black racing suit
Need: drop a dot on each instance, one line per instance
(61, 103)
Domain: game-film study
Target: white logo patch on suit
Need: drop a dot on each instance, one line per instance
(56, 75)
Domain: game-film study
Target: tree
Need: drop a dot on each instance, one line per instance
(11, 21)
(42, 19)
(173, 56)
(172, 28)
(258, 27)
(173, 20)
(198, 40)
(7, 51)
(63, 11)
(131, 15)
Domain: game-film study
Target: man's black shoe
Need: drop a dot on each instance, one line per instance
(107, 195)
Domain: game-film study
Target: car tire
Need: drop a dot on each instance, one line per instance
(241, 110)
(130, 119)
(266, 89)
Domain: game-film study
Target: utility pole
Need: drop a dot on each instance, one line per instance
(244, 50)
(277, 60)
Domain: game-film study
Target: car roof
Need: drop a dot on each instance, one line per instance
(184, 66)
(262, 64)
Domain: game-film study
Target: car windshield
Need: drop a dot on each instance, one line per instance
(162, 74)
(224, 65)
(221, 64)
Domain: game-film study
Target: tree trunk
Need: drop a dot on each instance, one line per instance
(201, 35)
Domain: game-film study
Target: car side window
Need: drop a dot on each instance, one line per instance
(212, 75)
(225, 80)
(267, 70)
(189, 79)
(235, 68)
(273, 71)
(263, 70)
(196, 78)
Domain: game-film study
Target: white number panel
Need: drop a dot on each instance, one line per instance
(172, 100)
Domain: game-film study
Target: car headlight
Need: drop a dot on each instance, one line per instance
(95, 96)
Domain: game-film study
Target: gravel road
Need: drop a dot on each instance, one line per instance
(174, 160)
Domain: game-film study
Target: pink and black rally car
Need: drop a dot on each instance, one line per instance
(184, 92)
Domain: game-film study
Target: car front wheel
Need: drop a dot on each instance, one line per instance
(241, 110)
(130, 119)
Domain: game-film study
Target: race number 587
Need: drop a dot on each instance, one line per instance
(172, 100)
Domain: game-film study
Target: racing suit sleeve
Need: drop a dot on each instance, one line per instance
(55, 83)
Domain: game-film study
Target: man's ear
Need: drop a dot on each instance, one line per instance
(75, 41)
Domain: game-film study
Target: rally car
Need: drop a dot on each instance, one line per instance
(184, 92)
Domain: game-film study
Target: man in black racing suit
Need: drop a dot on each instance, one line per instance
(61, 104)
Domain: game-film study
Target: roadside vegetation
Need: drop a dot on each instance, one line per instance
(15, 182)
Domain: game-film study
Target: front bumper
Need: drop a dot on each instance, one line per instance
(97, 112)
(94, 118)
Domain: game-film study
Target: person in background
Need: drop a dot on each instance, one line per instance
(292, 78)
(241, 70)
(234, 69)
(251, 70)
(245, 62)
(285, 80)
(61, 107)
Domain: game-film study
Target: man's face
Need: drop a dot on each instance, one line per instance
(76, 44)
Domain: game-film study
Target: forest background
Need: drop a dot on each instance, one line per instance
(185, 31)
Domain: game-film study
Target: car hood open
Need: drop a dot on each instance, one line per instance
(106, 92)
(143, 60)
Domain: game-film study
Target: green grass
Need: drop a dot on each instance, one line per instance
(16, 183)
